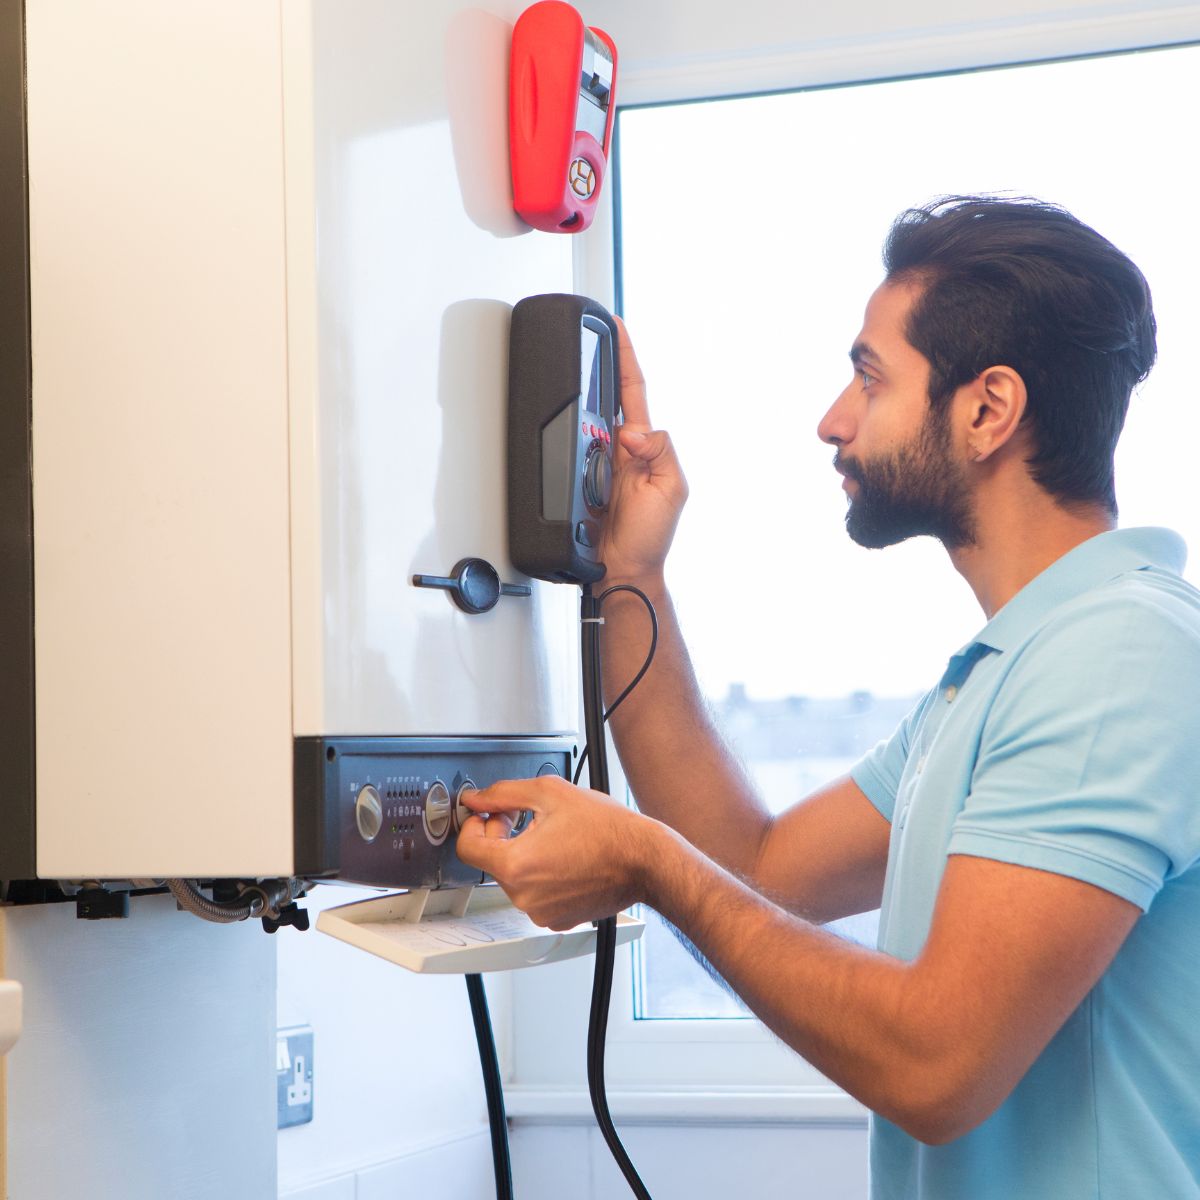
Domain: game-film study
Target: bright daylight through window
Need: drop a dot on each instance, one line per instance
(749, 240)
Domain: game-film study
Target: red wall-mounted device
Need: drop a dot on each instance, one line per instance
(560, 116)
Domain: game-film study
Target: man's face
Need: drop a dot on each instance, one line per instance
(903, 475)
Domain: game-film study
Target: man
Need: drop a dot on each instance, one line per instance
(1032, 830)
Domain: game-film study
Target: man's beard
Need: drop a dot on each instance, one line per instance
(918, 490)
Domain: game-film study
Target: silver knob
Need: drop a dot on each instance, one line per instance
(368, 813)
(437, 812)
(461, 811)
(597, 479)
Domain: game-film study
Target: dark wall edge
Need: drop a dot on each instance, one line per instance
(18, 845)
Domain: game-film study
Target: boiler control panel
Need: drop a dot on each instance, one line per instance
(386, 811)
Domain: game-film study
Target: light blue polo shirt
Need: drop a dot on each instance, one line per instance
(1066, 737)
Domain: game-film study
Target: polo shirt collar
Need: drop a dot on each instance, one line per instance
(1088, 565)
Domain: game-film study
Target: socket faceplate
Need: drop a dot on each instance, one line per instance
(294, 1075)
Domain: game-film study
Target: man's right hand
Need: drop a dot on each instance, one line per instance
(649, 489)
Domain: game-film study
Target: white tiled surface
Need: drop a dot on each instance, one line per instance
(551, 1161)
(710, 1163)
(333, 1189)
(571, 1162)
(460, 1169)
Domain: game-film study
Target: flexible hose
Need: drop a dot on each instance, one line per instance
(253, 903)
(492, 1088)
(224, 912)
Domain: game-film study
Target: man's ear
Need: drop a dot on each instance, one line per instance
(996, 400)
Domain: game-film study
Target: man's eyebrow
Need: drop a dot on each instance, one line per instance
(860, 351)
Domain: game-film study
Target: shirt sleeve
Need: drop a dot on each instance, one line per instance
(1090, 756)
(878, 772)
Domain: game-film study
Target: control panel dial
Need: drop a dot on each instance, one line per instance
(461, 811)
(368, 813)
(597, 478)
(436, 813)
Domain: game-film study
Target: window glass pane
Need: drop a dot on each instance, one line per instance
(750, 241)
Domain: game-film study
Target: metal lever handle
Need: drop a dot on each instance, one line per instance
(475, 585)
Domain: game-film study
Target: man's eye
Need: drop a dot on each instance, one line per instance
(866, 377)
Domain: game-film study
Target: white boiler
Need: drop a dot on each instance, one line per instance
(259, 261)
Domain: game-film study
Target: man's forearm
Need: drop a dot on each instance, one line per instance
(857, 1015)
(678, 767)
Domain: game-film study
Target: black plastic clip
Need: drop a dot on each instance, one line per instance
(99, 904)
(289, 914)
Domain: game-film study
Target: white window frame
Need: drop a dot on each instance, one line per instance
(697, 1070)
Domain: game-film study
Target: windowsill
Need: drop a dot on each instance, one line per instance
(818, 1105)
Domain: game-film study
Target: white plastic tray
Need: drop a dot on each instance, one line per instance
(459, 931)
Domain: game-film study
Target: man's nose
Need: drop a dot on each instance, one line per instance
(836, 427)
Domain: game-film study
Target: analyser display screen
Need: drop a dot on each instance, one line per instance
(589, 373)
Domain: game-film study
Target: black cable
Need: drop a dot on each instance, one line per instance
(594, 750)
(612, 708)
(492, 1088)
(606, 932)
(606, 928)
(604, 595)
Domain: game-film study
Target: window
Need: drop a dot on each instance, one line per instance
(791, 745)
(748, 238)
(749, 241)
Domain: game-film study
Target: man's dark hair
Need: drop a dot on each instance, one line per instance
(1024, 284)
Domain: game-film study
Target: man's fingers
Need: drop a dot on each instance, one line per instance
(633, 384)
(653, 447)
(477, 848)
(657, 453)
(510, 796)
(637, 437)
(498, 825)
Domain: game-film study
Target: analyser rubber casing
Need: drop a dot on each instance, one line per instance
(563, 403)
(561, 87)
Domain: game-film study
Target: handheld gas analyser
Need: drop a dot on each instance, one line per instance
(563, 402)
(562, 80)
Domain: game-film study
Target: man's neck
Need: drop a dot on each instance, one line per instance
(1017, 542)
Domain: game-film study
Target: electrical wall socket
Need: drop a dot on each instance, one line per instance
(294, 1075)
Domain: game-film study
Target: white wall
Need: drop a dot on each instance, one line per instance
(397, 1078)
(146, 1063)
